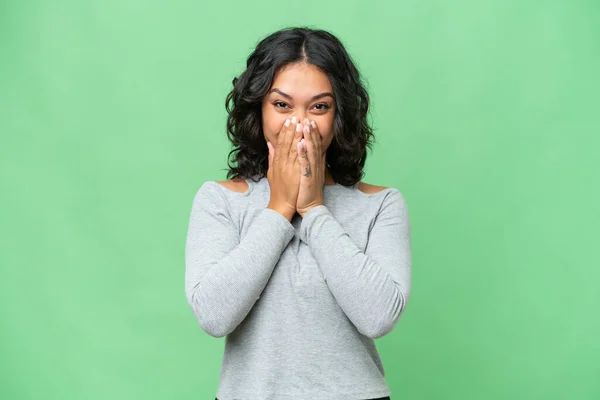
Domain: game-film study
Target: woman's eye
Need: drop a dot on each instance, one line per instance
(321, 106)
(280, 104)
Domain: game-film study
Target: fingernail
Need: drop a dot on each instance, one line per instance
(306, 130)
(298, 127)
(306, 122)
(287, 122)
(313, 124)
(294, 120)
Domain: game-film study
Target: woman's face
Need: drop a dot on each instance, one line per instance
(299, 90)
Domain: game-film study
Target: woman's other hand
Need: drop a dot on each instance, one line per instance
(312, 169)
(284, 169)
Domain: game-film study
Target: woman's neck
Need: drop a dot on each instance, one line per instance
(328, 178)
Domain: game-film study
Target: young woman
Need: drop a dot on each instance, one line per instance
(295, 260)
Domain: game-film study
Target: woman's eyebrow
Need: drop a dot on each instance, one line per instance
(321, 95)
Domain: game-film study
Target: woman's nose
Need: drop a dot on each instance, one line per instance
(301, 116)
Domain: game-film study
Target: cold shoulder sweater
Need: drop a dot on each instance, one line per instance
(299, 302)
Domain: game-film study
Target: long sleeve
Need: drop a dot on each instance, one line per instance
(372, 288)
(225, 276)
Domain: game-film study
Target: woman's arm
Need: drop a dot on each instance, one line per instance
(373, 287)
(225, 276)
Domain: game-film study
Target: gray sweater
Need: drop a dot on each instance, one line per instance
(299, 303)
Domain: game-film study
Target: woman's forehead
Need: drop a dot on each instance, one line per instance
(301, 81)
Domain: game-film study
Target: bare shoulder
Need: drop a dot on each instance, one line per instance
(370, 189)
(236, 184)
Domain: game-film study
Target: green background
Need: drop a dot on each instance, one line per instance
(486, 118)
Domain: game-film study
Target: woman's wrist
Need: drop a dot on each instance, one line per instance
(285, 211)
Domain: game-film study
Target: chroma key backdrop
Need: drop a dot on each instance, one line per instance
(486, 119)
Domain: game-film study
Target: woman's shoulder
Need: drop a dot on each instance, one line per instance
(221, 191)
(368, 188)
(238, 185)
(386, 195)
(222, 194)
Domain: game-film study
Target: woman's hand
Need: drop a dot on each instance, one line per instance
(312, 169)
(284, 169)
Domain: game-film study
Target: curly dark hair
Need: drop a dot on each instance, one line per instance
(347, 153)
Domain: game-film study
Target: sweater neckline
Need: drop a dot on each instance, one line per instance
(264, 180)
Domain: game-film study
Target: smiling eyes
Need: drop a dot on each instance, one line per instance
(319, 106)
